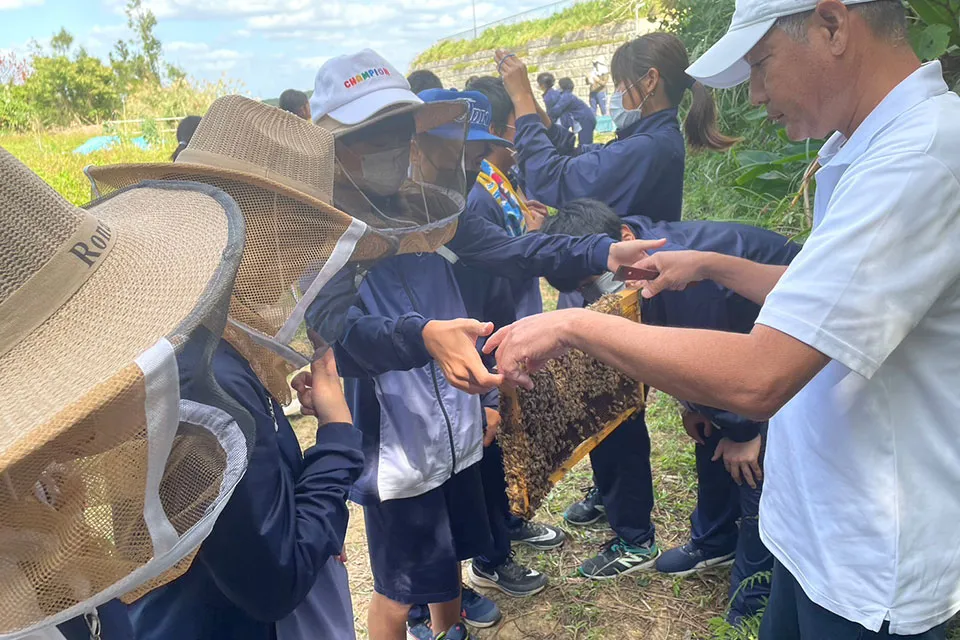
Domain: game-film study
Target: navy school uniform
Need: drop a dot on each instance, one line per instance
(638, 173)
(269, 565)
(621, 463)
(114, 624)
(570, 106)
(421, 490)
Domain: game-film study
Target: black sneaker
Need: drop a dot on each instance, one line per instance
(542, 537)
(618, 559)
(688, 559)
(587, 511)
(511, 578)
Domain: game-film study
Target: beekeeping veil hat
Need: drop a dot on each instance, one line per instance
(302, 226)
(108, 481)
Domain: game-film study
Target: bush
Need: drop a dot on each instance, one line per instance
(64, 91)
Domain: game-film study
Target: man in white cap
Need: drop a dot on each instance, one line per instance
(855, 354)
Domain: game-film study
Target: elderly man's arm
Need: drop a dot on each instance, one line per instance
(753, 375)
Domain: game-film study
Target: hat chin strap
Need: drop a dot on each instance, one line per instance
(47, 290)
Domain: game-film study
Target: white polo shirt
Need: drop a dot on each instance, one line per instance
(861, 501)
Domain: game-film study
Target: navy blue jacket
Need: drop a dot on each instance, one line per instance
(569, 104)
(708, 305)
(639, 173)
(550, 100)
(478, 286)
(482, 243)
(114, 624)
(286, 518)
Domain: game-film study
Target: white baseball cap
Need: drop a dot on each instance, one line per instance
(723, 65)
(351, 89)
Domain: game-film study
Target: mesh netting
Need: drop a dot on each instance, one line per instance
(385, 189)
(105, 486)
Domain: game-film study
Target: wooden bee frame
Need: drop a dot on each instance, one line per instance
(576, 403)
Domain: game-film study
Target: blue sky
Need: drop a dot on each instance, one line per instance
(269, 45)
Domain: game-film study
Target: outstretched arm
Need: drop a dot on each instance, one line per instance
(753, 375)
(678, 269)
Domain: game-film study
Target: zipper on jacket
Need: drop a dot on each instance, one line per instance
(433, 375)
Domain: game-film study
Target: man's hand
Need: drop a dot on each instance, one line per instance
(696, 425)
(528, 344)
(493, 425)
(741, 459)
(516, 81)
(453, 344)
(632, 253)
(677, 270)
(320, 392)
(538, 212)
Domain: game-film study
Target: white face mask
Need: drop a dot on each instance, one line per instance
(383, 172)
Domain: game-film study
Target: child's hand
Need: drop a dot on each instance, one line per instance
(538, 212)
(453, 344)
(320, 392)
(741, 459)
(516, 81)
(493, 425)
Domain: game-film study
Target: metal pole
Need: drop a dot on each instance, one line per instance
(474, 3)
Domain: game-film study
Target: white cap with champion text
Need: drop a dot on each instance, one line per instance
(723, 65)
(350, 89)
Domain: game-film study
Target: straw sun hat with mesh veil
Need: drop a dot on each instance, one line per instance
(282, 172)
(108, 481)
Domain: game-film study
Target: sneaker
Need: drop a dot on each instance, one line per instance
(420, 631)
(688, 559)
(587, 511)
(479, 611)
(541, 537)
(459, 632)
(511, 578)
(619, 558)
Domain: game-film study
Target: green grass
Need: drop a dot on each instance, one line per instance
(576, 44)
(51, 156)
(512, 36)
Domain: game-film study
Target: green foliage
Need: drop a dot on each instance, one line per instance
(573, 45)
(514, 36)
(64, 90)
(139, 61)
(65, 86)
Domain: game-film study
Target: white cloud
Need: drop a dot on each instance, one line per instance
(18, 4)
(201, 57)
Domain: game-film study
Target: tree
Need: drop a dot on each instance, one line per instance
(61, 42)
(138, 60)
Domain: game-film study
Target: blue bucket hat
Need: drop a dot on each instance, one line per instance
(480, 116)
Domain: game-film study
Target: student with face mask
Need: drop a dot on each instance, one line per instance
(641, 171)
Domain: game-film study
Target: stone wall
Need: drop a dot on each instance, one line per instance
(570, 56)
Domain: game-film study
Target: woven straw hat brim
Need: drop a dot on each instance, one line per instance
(124, 174)
(170, 240)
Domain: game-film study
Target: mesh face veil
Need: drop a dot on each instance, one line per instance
(110, 479)
(308, 214)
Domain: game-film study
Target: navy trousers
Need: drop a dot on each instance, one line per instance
(791, 615)
(621, 471)
(721, 503)
(498, 506)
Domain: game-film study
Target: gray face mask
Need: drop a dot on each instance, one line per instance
(383, 172)
(600, 287)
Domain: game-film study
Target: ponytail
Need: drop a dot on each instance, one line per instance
(666, 53)
(176, 152)
(701, 123)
